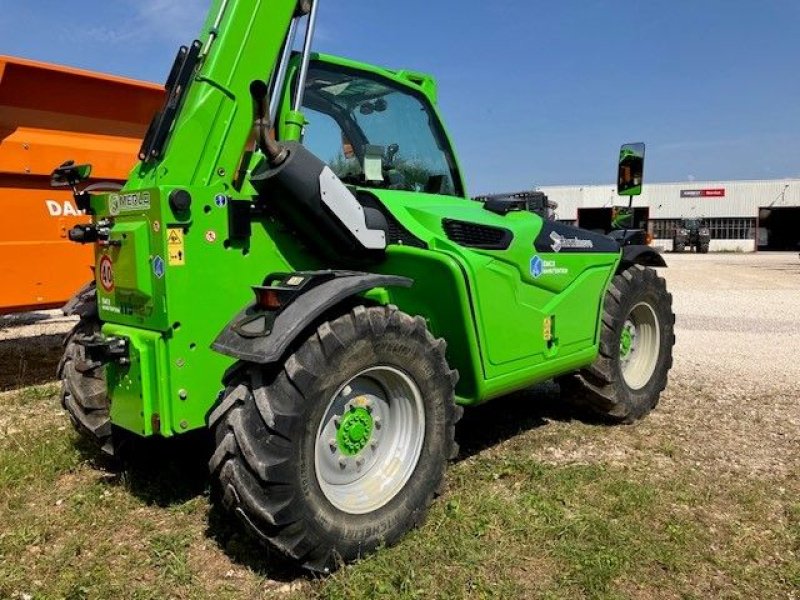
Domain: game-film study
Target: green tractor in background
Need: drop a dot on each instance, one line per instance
(296, 266)
(693, 234)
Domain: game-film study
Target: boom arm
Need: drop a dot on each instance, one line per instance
(242, 42)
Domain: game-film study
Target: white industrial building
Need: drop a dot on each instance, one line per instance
(743, 216)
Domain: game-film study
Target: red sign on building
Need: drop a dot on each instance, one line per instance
(706, 193)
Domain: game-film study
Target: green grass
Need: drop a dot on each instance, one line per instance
(509, 526)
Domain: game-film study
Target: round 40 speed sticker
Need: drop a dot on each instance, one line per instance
(106, 268)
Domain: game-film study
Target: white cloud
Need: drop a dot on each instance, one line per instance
(171, 19)
(175, 21)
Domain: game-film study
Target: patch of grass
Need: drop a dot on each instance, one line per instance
(169, 554)
(35, 458)
(509, 526)
(35, 394)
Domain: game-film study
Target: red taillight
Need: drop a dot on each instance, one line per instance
(267, 298)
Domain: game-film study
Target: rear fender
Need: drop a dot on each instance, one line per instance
(262, 336)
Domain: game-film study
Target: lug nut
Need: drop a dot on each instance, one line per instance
(343, 462)
(332, 444)
(337, 422)
(378, 423)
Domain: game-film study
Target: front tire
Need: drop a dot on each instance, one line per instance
(342, 448)
(637, 335)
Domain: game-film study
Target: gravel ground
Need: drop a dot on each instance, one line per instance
(30, 347)
(733, 402)
(734, 398)
(732, 405)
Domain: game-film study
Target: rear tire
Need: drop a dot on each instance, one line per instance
(342, 448)
(83, 388)
(678, 247)
(637, 335)
(704, 249)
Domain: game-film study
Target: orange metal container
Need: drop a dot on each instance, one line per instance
(49, 114)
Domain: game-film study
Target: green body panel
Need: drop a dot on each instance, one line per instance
(506, 329)
(140, 392)
(190, 304)
(487, 305)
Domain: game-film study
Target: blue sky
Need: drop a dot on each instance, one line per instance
(533, 93)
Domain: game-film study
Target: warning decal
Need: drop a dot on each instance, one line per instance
(175, 247)
(106, 269)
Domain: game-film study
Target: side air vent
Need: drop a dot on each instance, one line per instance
(396, 234)
(475, 235)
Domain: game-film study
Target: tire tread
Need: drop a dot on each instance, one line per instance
(253, 454)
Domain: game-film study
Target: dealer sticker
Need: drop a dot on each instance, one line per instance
(540, 267)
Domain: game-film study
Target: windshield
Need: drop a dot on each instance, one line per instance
(375, 133)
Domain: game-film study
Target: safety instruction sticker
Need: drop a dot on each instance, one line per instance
(175, 247)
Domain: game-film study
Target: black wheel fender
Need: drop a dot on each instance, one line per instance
(640, 255)
(297, 317)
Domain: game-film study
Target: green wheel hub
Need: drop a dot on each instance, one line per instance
(355, 431)
(370, 439)
(626, 341)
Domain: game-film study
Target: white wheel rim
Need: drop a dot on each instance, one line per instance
(363, 481)
(639, 364)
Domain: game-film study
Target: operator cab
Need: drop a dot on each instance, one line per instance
(376, 133)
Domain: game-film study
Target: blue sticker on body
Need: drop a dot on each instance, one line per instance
(221, 200)
(158, 267)
(537, 266)
(540, 267)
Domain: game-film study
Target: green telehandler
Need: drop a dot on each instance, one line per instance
(295, 265)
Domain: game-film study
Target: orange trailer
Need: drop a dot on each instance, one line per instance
(49, 114)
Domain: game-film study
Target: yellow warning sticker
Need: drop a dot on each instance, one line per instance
(175, 247)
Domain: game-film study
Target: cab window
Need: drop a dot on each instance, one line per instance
(376, 133)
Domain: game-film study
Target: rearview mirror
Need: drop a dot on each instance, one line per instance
(621, 217)
(69, 174)
(631, 170)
